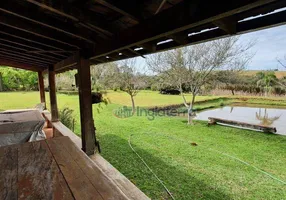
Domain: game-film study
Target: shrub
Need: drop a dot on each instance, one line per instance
(66, 117)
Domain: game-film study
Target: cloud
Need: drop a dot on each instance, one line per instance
(270, 45)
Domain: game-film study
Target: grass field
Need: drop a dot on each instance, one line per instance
(209, 170)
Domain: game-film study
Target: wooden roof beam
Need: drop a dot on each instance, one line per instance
(25, 66)
(39, 18)
(268, 21)
(67, 63)
(227, 24)
(23, 56)
(21, 64)
(26, 26)
(21, 50)
(117, 7)
(180, 17)
(28, 40)
(180, 38)
(73, 14)
(149, 46)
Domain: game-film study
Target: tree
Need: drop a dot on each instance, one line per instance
(266, 81)
(18, 79)
(103, 76)
(193, 65)
(130, 79)
(230, 78)
(282, 62)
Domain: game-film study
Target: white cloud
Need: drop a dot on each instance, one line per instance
(271, 44)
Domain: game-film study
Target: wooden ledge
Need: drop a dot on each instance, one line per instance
(125, 185)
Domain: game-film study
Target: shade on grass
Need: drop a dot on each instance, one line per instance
(190, 172)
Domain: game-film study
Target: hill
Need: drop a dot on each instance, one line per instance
(279, 74)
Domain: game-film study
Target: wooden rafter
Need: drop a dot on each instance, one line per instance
(227, 24)
(117, 6)
(23, 56)
(183, 17)
(268, 21)
(29, 27)
(26, 39)
(14, 48)
(67, 63)
(73, 14)
(6, 61)
(180, 38)
(38, 18)
(160, 7)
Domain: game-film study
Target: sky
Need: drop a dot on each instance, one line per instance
(269, 46)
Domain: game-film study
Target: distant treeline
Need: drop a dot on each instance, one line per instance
(17, 80)
(261, 83)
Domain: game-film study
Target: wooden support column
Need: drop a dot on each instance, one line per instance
(42, 88)
(53, 95)
(86, 117)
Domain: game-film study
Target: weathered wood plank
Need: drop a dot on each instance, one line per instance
(86, 116)
(38, 174)
(125, 185)
(76, 178)
(8, 173)
(268, 129)
(17, 63)
(70, 61)
(53, 95)
(105, 186)
(42, 88)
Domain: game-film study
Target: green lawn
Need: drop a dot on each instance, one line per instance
(190, 172)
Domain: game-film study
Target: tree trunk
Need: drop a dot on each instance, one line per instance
(232, 91)
(190, 110)
(133, 104)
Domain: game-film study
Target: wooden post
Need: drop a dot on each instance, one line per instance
(53, 95)
(42, 88)
(86, 117)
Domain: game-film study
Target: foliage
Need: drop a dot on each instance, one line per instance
(66, 117)
(131, 81)
(66, 80)
(105, 76)
(193, 66)
(164, 143)
(18, 79)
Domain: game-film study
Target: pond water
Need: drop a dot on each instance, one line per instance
(275, 117)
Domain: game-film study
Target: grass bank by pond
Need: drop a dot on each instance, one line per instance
(209, 170)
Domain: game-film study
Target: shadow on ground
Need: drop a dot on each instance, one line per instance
(182, 185)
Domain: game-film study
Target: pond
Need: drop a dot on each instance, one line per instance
(275, 117)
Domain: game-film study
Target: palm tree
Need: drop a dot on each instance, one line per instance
(266, 81)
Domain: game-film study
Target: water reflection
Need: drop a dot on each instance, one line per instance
(264, 116)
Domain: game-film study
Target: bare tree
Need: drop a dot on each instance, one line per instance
(130, 79)
(192, 66)
(282, 62)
